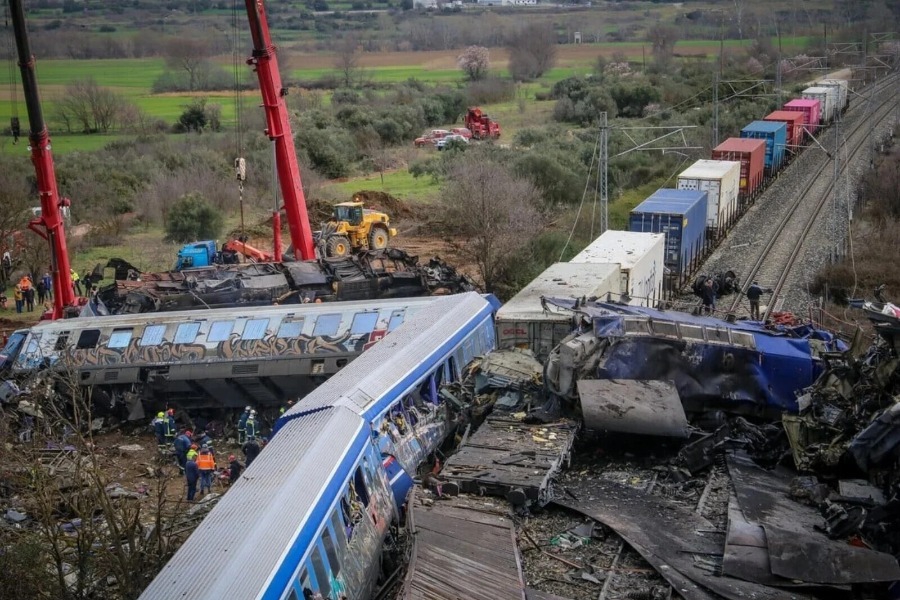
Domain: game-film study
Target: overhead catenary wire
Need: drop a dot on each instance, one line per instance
(584, 193)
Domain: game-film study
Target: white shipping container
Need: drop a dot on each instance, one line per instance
(523, 323)
(842, 87)
(640, 258)
(721, 180)
(827, 96)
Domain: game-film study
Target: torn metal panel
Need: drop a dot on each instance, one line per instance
(628, 406)
(669, 537)
(879, 441)
(797, 549)
(860, 489)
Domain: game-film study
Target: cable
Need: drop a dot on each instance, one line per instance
(587, 183)
(240, 164)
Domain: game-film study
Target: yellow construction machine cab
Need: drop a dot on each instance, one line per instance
(354, 228)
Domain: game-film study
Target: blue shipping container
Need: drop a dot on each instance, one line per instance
(681, 215)
(775, 134)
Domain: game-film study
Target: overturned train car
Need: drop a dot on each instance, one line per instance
(208, 359)
(739, 367)
(389, 273)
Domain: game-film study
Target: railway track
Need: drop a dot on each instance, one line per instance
(784, 245)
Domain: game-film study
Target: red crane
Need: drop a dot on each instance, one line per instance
(49, 225)
(279, 131)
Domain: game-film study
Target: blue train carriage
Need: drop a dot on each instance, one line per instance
(775, 135)
(682, 216)
(213, 358)
(313, 511)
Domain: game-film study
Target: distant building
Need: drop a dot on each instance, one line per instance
(507, 2)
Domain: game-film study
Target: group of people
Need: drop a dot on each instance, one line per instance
(708, 294)
(26, 290)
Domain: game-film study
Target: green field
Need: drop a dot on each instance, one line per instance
(399, 183)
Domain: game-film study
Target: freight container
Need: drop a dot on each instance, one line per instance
(752, 155)
(842, 87)
(775, 135)
(722, 180)
(641, 260)
(811, 108)
(681, 216)
(826, 96)
(523, 323)
(794, 122)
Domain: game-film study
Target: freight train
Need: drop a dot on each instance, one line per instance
(712, 194)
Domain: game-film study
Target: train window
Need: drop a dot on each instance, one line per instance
(304, 580)
(187, 333)
(359, 484)
(319, 569)
(364, 323)
(717, 335)
(327, 325)
(396, 320)
(293, 595)
(290, 329)
(331, 551)
(88, 338)
(220, 331)
(119, 338)
(153, 335)
(61, 341)
(255, 329)
(340, 531)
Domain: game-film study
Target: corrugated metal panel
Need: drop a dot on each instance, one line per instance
(234, 551)
(794, 122)
(721, 180)
(842, 88)
(775, 135)
(827, 96)
(707, 169)
(380, 368)
(560, 280)
(752, 155)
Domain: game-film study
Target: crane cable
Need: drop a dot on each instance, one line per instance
(14, 125)
(240, 164)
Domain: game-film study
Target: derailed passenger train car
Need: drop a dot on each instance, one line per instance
(310, 515)
(218, 358)
(741, 367)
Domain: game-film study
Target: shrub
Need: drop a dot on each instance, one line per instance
(191, 218)
(491, 91)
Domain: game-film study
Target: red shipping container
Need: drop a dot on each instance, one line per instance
(751, 153)
(811, 108)
(794, 121)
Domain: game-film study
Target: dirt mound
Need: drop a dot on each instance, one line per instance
(393, 206)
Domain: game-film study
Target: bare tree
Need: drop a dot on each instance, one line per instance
(89, 107)
(494, 212)
(15, 199)
(190, 55)
(475, 62)
(663, 38)
(532, 51)
(347, 61)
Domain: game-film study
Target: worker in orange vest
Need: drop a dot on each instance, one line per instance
(206, 462)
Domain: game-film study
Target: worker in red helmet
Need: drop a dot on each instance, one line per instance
(234, 469)
(171, 430)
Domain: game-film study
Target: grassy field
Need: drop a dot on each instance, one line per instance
(399, 183)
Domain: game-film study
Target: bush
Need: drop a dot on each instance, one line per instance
(191, 218)
(331, 151)
(491, 91)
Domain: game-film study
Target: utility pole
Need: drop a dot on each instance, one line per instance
(716, 110)
(603, 182)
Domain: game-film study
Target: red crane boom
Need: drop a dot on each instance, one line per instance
(279, 131)
(49, 225)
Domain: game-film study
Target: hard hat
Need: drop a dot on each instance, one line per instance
(189, 433)
(231, 457)
(171, 411)
(193, 446)
(161, 414)
(206, 444)
(290, 402)
(248, 408)
(252, 413)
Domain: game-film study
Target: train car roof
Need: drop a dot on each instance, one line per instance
(251, 541)
(230, 313)
(396, 362)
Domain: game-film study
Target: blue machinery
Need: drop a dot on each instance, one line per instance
(314, 509)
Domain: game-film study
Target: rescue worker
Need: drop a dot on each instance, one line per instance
(76, 282)
(251, 450)
(242, 425)
(192, 475)
(19, 298)
(171, 429)
(754, 293)
(234, 469)
(193, 452)
(159, 430)
(48, 285)
(203, 440)
(182, 444)
(708, 297)
(206, 462)
(250, 429)
(287, 406)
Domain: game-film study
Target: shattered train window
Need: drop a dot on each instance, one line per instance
(331, 552)
(88, 338)
(220, 331)
(119, 338)
(327, 325)
(153, 335)
(665, 328)
(637, 326)
(718, 335)
(255, 329)
(692, 332)
(363, 323)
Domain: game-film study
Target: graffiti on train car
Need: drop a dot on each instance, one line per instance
(234, 348)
